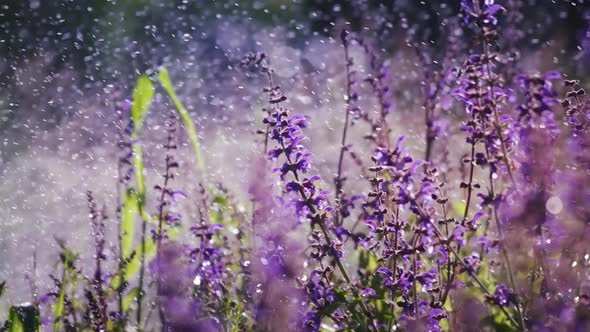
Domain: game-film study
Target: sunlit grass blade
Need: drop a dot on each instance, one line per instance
(135, 263)
(164, 78)
(58, 307)
(129, 298)
(129, 213)
(142, 99)
(68, 259)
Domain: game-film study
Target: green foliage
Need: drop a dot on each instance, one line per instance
(459, 208)
(129, 298)
(23, 318)
(164, 79)
(68, 260)
(133, 263)
(58, 307)
(142, 99)
(138, 170)
(129, 212)
(497, 323)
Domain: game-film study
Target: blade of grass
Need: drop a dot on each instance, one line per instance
(129, 298)
(142, 99)
(129, 212)
(58, 307)
(164, 79)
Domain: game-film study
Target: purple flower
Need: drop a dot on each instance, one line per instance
(368, 292)
(536, 110)
(485, 15)
(502, 295)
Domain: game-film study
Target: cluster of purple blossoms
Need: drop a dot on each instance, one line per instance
(275, 296)
(481, 92)
(180, 310)
(306, 197)
(539, 98)
(208, 259)
(412, 195)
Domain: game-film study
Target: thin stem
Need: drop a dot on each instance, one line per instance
(415, 271)
(394, 262)
(162, 203)
(429, 139)
(140, 294)
(505, 254)
(266, 133)
(121, 319)
(339, 181)
(121, 265)
(453, 265)
(470, 183)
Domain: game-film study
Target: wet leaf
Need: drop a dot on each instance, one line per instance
(142, 99)
(129, 212)
(164, 78)
(130, 298)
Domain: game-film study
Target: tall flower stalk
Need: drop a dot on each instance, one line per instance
(485, 19)
(124, 176)
(350, 98)
(97, 219)
(307, 199)
(167, 197)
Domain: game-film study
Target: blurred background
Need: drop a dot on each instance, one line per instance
(64, 64)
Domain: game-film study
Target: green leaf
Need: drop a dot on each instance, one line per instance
(497, 323)
(164, 78)
(138, 170)
(129, 212)
(58, 307)
(23, 319)
(221, 200)
(459, 208)
(142, 99)
(134, 264)
(130, 298)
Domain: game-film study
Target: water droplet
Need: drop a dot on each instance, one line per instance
(197, 281)
(554, 205)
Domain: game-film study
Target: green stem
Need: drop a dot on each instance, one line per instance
(140, 294)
